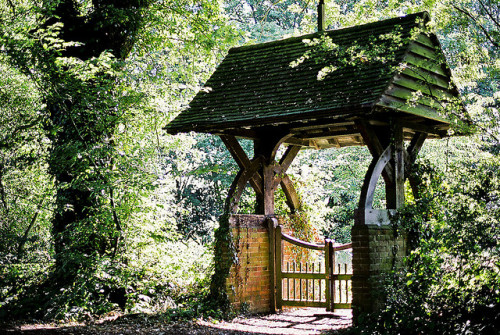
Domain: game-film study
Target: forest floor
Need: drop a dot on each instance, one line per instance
(305, 321)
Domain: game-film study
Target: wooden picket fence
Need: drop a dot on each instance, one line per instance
(323, 282)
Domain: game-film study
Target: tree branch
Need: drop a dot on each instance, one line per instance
(486, 33)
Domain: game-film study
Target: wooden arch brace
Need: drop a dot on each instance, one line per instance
(263, 173)
(393, 162)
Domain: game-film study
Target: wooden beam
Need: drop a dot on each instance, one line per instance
(415, 145)
(242, 160)
(292, 199)
(399, 167)
(288, 157)
(375, 147)
(239, 183)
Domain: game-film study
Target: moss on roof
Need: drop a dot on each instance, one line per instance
(301, 78)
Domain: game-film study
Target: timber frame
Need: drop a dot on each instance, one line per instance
(385, 142)
(271, 94)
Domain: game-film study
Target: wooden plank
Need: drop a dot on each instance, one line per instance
(427, 77)
(342, 277)
(409, 95)
(425, 51)
(279, 278)
(418, 109)
(299, 275)
(342, 247)
(431, 90)
(342, 306)
(426, 40)
(426, 64)
(300, 243)
(298, 303)
(422, 128)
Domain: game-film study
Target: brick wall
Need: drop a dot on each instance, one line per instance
(249, 283)
(376, 251)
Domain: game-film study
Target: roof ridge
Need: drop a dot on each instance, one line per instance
(387, 22)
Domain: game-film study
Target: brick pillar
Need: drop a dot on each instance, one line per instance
(376, 252)
(248, 284)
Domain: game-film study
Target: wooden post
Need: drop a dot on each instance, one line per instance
(279, 290)
(332, 278)
(269, 188)
(399, 167)
(272, 224)
(328, 270)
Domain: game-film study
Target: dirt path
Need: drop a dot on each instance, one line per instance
(306, 321)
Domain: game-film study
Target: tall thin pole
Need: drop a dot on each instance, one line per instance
(321, 15)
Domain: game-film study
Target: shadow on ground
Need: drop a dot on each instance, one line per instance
(304, 321)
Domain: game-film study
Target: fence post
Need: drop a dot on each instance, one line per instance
(328, 291)
(278, 250)
(272, 223)
(332, 277)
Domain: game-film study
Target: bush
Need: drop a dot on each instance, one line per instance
(452, 282)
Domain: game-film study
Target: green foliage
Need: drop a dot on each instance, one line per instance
(451, 285)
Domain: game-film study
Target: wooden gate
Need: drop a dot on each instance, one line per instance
(321, 281)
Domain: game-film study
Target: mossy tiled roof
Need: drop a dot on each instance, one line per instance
(281, 81)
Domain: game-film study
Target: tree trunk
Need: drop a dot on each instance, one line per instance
(81, 125)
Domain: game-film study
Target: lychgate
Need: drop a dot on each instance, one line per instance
(312, 91)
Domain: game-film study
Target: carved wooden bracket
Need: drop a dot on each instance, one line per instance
(393, 162)
(263, 173)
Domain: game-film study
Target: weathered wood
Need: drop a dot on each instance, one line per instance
(328, 266)
(417, 85)
(239, 184)
(302, 275)
(399, 167)
(425, 63)
(412, 152)
(374, 171)
(375, 146)
(426, 40)
(272, 224)
(427, 77)
(424, 51)
(292, 199)
(267, 147)
(300, 243)
(279, 280)
(331, 277)
(288, 157)
(298, 303)
(269, 189)
(422, 128)
(397, 91)
(402, 105)
(415, 145)
(242, 160)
